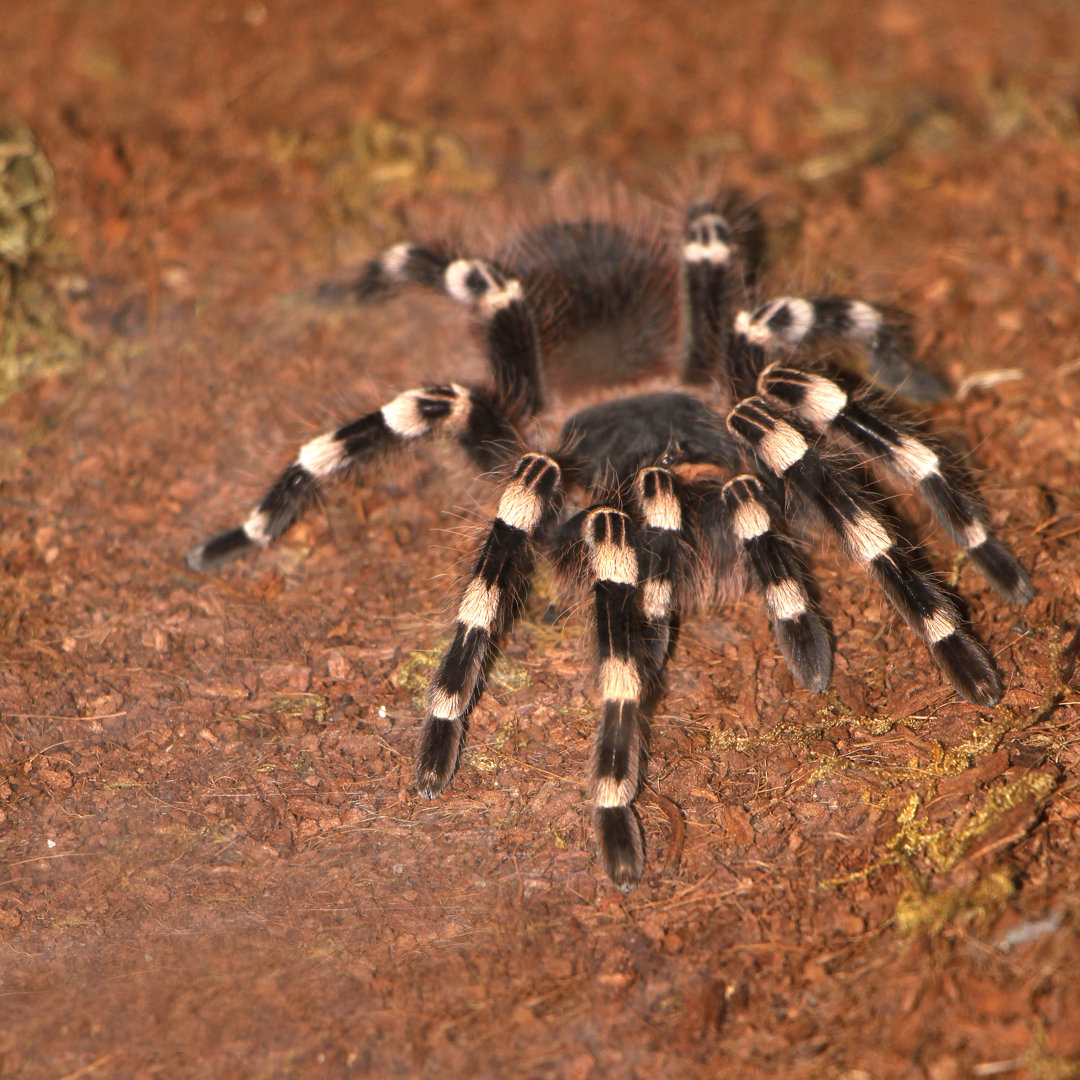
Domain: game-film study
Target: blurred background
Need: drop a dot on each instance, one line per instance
(215, 865)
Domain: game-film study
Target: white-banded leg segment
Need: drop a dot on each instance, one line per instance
(825, 406)
(497, 301)
(402, 264)
(613, 558)
(660, 512)
(924, 606)
(506, 319)
(884, 335)
(778, 574)
(708, 280)
(410, 416)
(498, 581)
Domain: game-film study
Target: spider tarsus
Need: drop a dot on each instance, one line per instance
(967, 665)
(437, 755)
(807, 648)
(219, 550)
(622, 850)
(890, 367)
(372, 282)
(998, 565)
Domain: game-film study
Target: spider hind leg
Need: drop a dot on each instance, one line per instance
(883, 333)
(721, 254)
(613, 559)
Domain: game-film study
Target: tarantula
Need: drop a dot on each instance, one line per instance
(657, 497)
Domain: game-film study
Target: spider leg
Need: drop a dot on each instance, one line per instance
(708, 269)
(613, 558)
(497, 300)
(402, 264)
(777, 573)
(924, 606)
(721, 249)
(498, 582)
(883, 333)
(662, 548)
(467, 414)
(506, 319)
(821, 403)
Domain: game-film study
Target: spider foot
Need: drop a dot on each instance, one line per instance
(999, 566)
(437, 755)
(805, 646)
(220, 549)
(967, 665)
(618, 838)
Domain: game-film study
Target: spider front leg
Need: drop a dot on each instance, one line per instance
(778, 575)
(612, 558)
(825, 406)
(498, 581)
(468, 414)
(924, 606)
(659, 507)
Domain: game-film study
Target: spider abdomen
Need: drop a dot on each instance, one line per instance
(605, 299)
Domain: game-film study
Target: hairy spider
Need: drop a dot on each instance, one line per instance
(660, 498)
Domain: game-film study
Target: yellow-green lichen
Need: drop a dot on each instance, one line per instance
(369, 171)
(33, 338)
(416, 671)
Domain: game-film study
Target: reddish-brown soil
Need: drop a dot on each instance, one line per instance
(214, 862)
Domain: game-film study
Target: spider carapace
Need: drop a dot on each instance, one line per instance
(668, 492)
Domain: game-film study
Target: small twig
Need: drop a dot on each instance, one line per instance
(86, 1068)
(59, 716)
(985, 380)
(678, 827)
